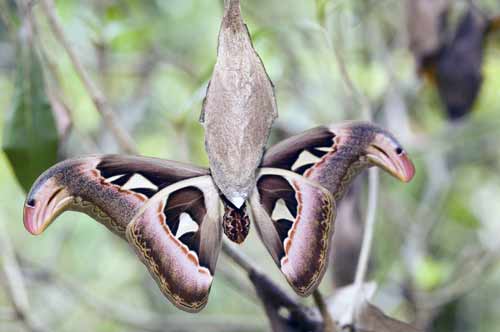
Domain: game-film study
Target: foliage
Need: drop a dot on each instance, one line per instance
(30, 138)
(436, 247)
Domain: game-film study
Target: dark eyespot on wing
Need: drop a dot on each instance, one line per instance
(182, 261)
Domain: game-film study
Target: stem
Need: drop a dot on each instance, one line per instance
(237, 257)
(100, 102)
(328, 323)
(373, 182)
(15, 283)
(364, 256)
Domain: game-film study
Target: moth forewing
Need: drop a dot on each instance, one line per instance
(238, 110)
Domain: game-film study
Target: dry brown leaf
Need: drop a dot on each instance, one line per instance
(369, 318)
(341, 303)
(425, 23)
(348, 237)
(238, 110)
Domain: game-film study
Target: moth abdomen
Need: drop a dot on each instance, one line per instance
(235, 222)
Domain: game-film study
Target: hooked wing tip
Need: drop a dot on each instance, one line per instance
(29, 220)
(407, 168)
(384, 151)
(44, 205)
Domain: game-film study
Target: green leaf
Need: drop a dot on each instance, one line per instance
(30, 138)
(431, 273)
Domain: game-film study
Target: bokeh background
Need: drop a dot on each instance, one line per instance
(436, 247)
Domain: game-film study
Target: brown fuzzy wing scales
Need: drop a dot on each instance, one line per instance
(177, 235)
(109, 188)
(331, 157)
(294, 218)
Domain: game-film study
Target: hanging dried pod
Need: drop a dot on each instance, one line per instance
(459, 66)
(426, 26)
(238, 110)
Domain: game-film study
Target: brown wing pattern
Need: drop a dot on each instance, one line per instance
(177, 235)
(302, 180)
(109, 188)
(169, 212)
(333, 156)
(294, 218)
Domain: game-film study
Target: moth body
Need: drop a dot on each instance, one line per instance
(235, 222)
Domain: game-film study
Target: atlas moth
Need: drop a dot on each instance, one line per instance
(174, 216)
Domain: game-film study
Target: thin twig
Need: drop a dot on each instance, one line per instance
(328, 323)
(373, 182)
(51, 72)
(354, 93)
(15, 284)
(100, 102)
(274, 298)
(136, 318)
(7, 314)
(237, 257)
(364, 256)
(366, 247)
(237, 282)
(5, 17)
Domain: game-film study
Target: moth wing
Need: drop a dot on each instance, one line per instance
(311, 154)
(177, 235)
(109, 188)
(294, 218)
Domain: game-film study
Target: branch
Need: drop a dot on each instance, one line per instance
(275, 300)
(373, 182)
(354, 93)
(328, 323)
(100, 102)
(6, 18)
(134, 317)
(366, 247)
(15, 284)
(465, 279)
(237, 257)
(235, 281)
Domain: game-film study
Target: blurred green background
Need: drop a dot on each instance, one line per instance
(436, 246)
